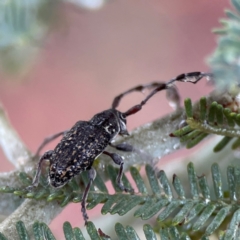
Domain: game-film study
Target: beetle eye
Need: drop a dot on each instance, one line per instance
(122, 118)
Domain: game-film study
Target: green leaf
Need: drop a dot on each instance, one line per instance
(2, 237)
(149, 234)
(153, 181)
(131, 233)
(78, 234)
(138, 180)
(47, 232)
(192, 176)
(205, 215)
(222, 144)
(165, 184)
(37, 231)
(92, 231)
(122, 235)
(218, 219)
(178, 187)
(188, 107)
(22, 232)
(217, 181)
(68, 231)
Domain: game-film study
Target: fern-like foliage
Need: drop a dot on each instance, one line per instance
(209, 118)
(24, 25)
(200, 211)
(224, 61)
(42, 231)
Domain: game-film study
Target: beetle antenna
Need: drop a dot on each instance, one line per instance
(138, 88)
(138, 107)
(192, 77)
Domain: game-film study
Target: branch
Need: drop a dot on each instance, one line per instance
(29, 211)
(19, 155)
(11, 144)
(8, 201)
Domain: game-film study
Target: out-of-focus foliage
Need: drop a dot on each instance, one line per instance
(88, 4)
(225, 61)
(23, 27)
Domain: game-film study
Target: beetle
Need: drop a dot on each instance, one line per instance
(86, 140)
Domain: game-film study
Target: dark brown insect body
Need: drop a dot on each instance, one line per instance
(82, 144)
(86, 140)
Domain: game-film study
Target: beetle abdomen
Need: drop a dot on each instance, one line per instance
(76, 152)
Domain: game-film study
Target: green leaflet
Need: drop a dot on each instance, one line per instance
(206, 119)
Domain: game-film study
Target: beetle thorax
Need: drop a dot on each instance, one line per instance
(111, 121)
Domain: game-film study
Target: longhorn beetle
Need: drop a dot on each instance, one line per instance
(86, 140)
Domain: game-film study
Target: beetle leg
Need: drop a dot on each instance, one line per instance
(48, 140)
(91, 175)
(138, 88)
(46, 156)
(119, 161)
(125, 147)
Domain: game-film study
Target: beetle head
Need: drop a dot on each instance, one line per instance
(122, 124)
(112, 121)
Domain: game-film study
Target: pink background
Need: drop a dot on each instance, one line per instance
(93, 56)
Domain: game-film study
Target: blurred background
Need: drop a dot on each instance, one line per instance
(71, 64)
